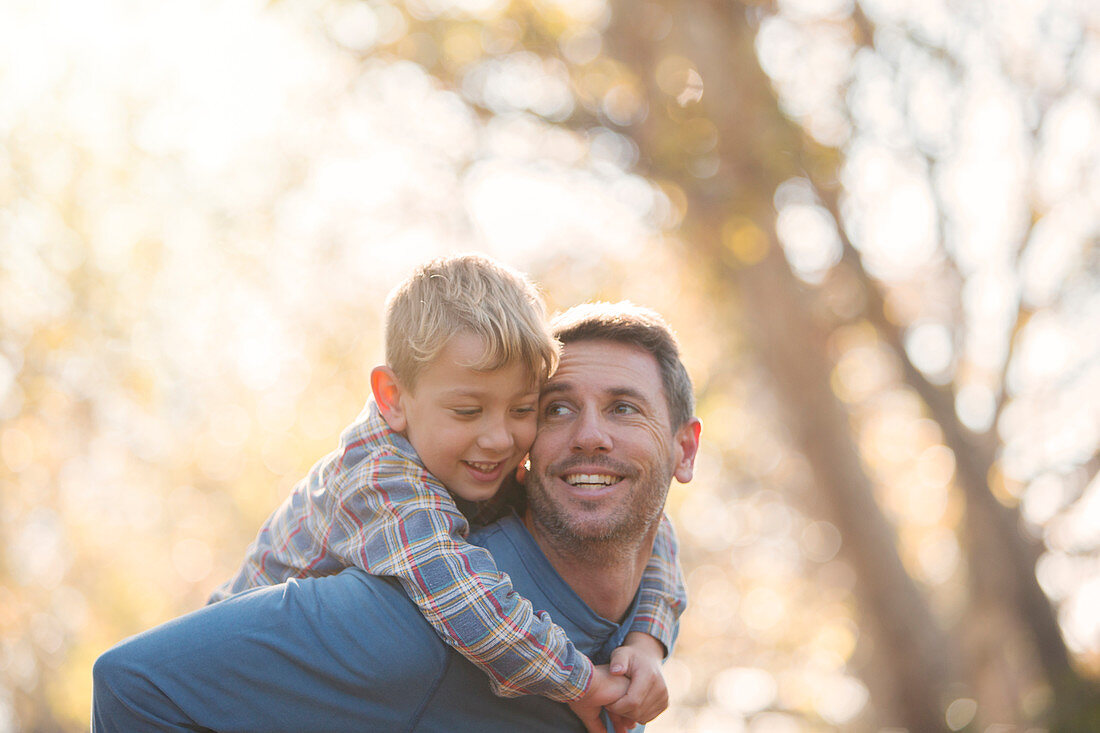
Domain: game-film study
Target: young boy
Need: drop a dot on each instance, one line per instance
(453, 413)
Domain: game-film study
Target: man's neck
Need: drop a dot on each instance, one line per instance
(605, 576)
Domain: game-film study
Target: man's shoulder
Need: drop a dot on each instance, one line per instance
(510, 543)
(370, 615)
(321, 653)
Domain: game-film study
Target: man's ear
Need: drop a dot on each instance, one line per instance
(523, 469)
(687, 447)
(387, 394)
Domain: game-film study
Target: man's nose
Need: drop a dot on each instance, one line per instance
(590, 434)
(495, 436)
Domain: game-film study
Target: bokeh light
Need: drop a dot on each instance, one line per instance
(203, 205)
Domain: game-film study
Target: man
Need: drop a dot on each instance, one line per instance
(349, 652)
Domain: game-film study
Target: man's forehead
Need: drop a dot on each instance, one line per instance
(606, 366)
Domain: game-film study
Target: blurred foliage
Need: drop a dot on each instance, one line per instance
(873, 225)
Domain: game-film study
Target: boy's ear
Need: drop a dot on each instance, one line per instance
(387, 394)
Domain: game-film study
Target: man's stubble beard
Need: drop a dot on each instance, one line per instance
(593, 539)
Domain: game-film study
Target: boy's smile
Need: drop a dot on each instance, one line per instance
(470, 428)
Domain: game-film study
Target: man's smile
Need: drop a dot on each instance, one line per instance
(590, 480)
(592, 476)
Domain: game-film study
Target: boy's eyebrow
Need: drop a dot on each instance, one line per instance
(454, 392)
(478, 392)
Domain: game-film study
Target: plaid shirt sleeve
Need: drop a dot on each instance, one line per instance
(394, 518)
(662, 596)
(292, 543)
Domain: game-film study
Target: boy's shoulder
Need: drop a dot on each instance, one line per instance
(370, 450)
(370, 437)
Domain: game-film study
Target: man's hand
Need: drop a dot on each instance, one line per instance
(639, 661)
(603, 690)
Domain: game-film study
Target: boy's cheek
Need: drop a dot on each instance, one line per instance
(526, 437)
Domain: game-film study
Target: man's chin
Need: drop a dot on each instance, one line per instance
(574, 519)
(589, 524)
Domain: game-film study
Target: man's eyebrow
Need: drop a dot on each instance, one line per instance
(555, 387)
(630, 392)
(558, 387)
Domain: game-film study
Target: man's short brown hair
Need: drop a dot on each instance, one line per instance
(471, 293)
(626, 323)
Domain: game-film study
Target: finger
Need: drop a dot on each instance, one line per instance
(620, 724)
(621, 660)
(643, 702)
(593, 724)
(626, 720)
(658, 704)
(641, 689)
(589, 715)
(653, 702)
(647, 695)
(625, 708)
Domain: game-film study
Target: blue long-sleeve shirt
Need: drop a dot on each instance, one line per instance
(341, 653)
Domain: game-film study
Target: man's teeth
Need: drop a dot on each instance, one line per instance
(590, 479)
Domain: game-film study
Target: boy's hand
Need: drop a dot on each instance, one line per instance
(603, 690)
(639, 660)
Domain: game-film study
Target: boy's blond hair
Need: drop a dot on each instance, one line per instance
(470, 293)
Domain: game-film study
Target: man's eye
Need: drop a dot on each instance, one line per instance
(555, 409)
(624, 408)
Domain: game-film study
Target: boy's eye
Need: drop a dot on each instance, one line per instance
(525, 410)
(466, 411)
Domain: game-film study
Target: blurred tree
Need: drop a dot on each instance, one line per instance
(879, 224)
(792, 343)
(681, 86)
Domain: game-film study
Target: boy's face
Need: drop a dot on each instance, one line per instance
(471, 428)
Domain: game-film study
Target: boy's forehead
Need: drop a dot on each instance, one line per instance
(455, 370)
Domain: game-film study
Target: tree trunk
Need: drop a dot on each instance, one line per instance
(911, 663)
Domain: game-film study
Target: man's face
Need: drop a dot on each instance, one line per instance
(605, 451)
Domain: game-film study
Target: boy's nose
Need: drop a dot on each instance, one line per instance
(495, 437)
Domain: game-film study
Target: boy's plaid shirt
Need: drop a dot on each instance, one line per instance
(373, 505)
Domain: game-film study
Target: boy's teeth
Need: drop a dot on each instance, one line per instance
(590, 479)
(483, 467)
